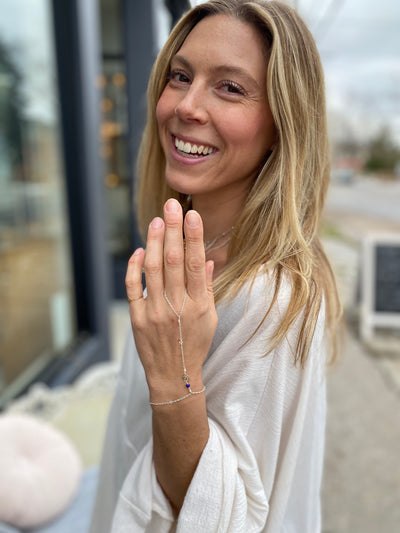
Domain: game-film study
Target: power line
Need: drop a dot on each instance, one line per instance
(327, 19)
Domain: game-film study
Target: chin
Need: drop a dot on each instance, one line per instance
(179, 185)
(179, 188)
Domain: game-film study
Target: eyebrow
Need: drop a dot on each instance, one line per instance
(222, 69)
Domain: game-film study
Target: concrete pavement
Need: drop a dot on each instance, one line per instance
(361, 487)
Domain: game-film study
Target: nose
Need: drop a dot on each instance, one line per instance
(193, 105)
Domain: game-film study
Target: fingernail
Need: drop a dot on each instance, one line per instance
(138, 251)
(157, 222)
(172, 206)
(193, 219)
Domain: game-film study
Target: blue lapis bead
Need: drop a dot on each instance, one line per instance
(187, 385)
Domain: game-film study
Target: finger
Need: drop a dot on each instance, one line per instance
(195, 256)
(133, 278)
(153, 261)
(174, 273)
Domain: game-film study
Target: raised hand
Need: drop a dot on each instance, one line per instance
(179, 283)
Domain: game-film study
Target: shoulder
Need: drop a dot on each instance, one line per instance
(261, 307)
(258, 295)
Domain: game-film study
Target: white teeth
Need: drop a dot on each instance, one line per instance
(189, 148)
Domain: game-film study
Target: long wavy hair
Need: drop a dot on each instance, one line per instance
(278, 227)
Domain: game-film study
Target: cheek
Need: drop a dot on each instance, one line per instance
(263, 133)
(165, 107)
(253, 129)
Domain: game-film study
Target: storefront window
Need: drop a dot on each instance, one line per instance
(37, 320)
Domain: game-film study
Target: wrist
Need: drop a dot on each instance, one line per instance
(175, 389)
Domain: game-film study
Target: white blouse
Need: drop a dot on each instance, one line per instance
(261, 468)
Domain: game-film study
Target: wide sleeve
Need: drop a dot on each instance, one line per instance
(260, 470)
(128, 431)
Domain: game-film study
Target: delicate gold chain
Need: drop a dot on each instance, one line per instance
(179, 399)
(185, 376)
(213, 244)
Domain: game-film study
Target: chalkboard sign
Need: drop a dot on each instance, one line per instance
(387, 278)
(380, 284)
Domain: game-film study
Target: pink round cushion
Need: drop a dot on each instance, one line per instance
(40, 471)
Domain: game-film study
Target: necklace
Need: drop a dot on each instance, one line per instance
(219, 241)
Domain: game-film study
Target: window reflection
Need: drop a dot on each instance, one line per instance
(36, 286)
(113, 133)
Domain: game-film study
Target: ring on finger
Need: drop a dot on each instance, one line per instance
(130, 300)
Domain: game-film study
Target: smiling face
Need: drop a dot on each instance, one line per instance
(214, 121)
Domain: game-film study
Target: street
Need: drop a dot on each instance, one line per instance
(372, 200)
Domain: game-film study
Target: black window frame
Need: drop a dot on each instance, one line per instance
(78, 58)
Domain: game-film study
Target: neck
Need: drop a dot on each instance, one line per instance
(218, 215)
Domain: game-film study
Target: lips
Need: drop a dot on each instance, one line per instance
(191, 149)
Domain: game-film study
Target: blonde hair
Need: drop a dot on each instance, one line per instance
(279, 223)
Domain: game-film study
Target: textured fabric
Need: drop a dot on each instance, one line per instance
(261, 468)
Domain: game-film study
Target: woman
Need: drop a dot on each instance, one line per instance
(221, 429)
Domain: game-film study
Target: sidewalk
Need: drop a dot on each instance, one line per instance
(361, 486)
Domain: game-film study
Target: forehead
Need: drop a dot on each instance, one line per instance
(226, 40)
